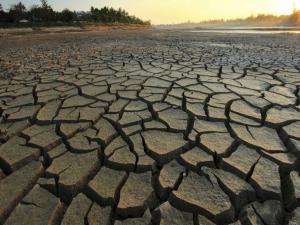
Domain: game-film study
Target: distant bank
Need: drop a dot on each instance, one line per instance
(248, 30)
(263, 22)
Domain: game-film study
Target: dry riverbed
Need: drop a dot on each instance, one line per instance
(149, 127)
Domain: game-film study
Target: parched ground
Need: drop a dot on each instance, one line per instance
(149, 127)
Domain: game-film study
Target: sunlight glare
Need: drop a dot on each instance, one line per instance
(284, 7)
(297, 4)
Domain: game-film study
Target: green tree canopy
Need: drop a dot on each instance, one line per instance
(110, 15)
(18, 7)
(45, 4)
(67, 16)
(17, 11)
(44, 13)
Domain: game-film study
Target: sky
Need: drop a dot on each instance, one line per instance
(177, 11)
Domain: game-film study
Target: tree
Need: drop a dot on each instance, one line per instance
(45, 4)
(36, 13)
(45, 13)
(20, 7)
(67, 16)
(42, 13)
(17, 12)
(2, 14)
(110, 15)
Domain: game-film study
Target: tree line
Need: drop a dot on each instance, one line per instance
(45, 13)
(259, 20)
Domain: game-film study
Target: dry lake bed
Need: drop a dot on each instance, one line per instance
(149, 127)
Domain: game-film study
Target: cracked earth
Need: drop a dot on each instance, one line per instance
(150, 127)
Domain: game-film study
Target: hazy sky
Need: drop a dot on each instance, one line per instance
(175, 11)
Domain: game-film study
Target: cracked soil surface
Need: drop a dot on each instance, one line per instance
(150, 127)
